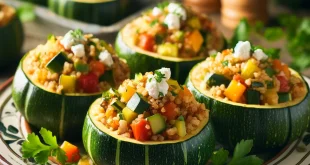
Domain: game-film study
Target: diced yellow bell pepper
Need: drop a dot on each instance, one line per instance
(271, 96)
(128, 94)
(168, 49)
(195, 40)
(180, 125)
(249, 69)
(68, 83)
(194, 22)
(234, 91)
(129, 115)
(174, 85)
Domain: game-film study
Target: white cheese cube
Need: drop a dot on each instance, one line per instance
(260, 55)
(78, 50)
(151, 87)
(106, 58)
(166, 72)
(177, 9)
(156, 11)
(173, 21)
(68, 40)
(242, 50)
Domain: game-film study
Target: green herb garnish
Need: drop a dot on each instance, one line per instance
(160, 94)
(225, 63)
(163, 5)
(154, 22)
(77, 33)
(159, 76)
(34, 148)
(242, 149)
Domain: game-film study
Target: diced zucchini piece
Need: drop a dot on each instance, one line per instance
(56, 64)
(249, 69)
(180, 125)
(269, 84)
(118, 105)
(157, 123)
(108, 77)
(129, 115)
(138, 103)
(284, 97)
(181, 118)
(168, 49)
(81, 67)
(257, 84)
(252, 96)
(269, 71)
(68, 83)
(213, 79)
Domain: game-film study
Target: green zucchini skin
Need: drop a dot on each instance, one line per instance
(11, 42)
(269, 128)
(103, 13)
(39, 2)
(103, 148)
(141, 63)
(61, 114)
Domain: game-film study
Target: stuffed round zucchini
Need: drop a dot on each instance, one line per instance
(102, 12)
(252, 96)
(148, 120)
(168, 35)
(11, 35)
(55, 83)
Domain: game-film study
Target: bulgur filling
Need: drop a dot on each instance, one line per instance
(248, 75)
(172, 30)
(7, 13)
(152, 107)
(75, 63)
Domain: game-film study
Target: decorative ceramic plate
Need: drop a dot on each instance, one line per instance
(14, 129)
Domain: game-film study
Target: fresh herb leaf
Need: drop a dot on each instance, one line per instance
(242, 149)
(273, 53)
(213, 55)
(219, 157)
(163, 5)
(51, 37)
(77, 33)
(160, 94)
(154, 22)
(159, 76)
(164, 25)
(273, 33)
(249, 160)
(241, 33)
(34, 148)
(225, 63)
(26, 12)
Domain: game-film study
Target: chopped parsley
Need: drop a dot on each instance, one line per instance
(163, 5)
(77, 33)
(160, 94)
(213, 55)
(225, 63)
(154, 22)
(159, 76)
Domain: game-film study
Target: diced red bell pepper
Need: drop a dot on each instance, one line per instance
(170, 113)
(88, 83)
(72, 152)
(97, 68)
(284, 84)
(238, 78)
(140, 130)
(146, 42)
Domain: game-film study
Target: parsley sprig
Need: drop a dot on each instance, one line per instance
(34, 148)
(159, 76)
(241, 151)
(77, 33)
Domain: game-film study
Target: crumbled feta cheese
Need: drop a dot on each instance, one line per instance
(242, 50)
(151, 87)
(156, 11)
(172, 21)
(78, 50)
(166, 72)
(158, 89)
(106, 58)
(71, 39)
(177, 9)
(68, 40)
(260, 55)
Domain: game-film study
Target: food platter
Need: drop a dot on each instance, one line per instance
(14, 129)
